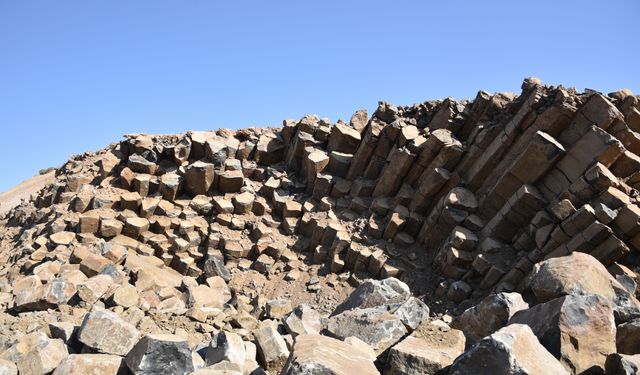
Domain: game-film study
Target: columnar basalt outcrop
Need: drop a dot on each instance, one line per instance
(239, 251)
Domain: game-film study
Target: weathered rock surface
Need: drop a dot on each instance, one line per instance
(315, 354)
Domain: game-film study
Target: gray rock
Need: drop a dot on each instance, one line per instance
(513, 350)
(226, 346)
(105, 332)
(303, 320)
(622, 364)
(388, 294)
(491, 314)
(376, 327)
(272, 348)
(412, 313)
(216, 267)
(315, 355)
(160, 354)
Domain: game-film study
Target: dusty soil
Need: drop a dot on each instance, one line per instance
(12, 198)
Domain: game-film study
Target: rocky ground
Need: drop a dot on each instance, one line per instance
(498, 235)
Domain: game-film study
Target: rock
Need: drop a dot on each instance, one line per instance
(199, 177)
(94, 288)
(215, 267)
(303, 320)
(412, 313)
(628, 337)
(491, 314)
(43, 359)
(135, 226)
(62, 238)
(344, 139)
(204, 296)
(58, 292)
(226, 346)
(277, 308)
(243, 203)
(622, 364)
(272, 349)
(511, 350)
(8, 368)
(580, 274)
(126, 296)
(579, 330)
(376, 327)
(389, 293)
(105, 332)
(430, 348)
(93, 364)
(231, 181)
(160, 354)
(315, 354)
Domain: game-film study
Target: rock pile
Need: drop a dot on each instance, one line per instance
(493, 235)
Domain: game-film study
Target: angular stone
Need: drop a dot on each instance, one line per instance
(491, 314)
(272, 349)
(94, 364)
(43, 359)
(243, 203)
(135, 226)
(315, 354)
(621, 364)
(343, 138)
(376, 327)
(226, 346)
(513, 350)
(430, 348)
(160, 354)
(388, 293)
(199, 177)
(62, 238)
(628, 337)
(231, 181)
(105, 332)
(579, 330)
(412, 313)
(303, 320)
(8, 367)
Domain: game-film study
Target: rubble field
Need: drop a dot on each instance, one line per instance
(498, 235)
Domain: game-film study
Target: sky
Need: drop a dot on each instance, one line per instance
(77, 75)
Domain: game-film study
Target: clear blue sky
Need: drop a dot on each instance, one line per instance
(76, 75)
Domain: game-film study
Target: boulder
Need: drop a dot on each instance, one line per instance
(622, 364)
(303, 320)
(214, 266)
(160, 354)
(628, 337)
(430, 348)
(378, 328)
(272, 349)
(512, 350)
(412, 313)
(579, 330)
(580, 274)
(226, 346)
(105, 332)
(93, 364)
(491, 314)
(387, 294)
(343, 138)
(315, 354)
(199, 177)
(43, 359)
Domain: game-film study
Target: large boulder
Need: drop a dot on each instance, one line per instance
(303, 320)
(512, 350)
(105, 332)
(579, 330)
(272, 348)
(622, 364)
(160, 354)
(43, 359)
(580, 274)
(378, 328)
(315, 354)
(491, 314)
(94, 364)
(388, 294)
(430, 348)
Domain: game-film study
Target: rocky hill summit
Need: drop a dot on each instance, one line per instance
(498, 235)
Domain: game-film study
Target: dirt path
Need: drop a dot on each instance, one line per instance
(11, 198)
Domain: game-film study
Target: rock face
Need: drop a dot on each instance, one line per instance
(158, 354)
(98, 364)
(105, 332)
(315, 354)
(487, 213)
(491, 314)
(579, 330)
(432, 347)
(511, 350)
